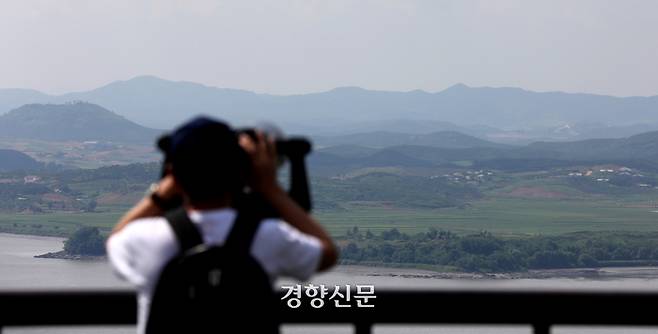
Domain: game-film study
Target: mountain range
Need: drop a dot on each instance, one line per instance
(486, 112)
(82, 121)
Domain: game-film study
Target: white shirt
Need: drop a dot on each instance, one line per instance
(140, 250)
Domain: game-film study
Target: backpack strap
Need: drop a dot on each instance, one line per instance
(243, 231)
(187, 234)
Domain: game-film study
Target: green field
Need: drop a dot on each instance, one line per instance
(56, 224)
(504, 217)
(501, 217)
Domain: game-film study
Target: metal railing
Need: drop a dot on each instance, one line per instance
(539, 309)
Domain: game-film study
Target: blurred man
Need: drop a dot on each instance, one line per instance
(208, 165)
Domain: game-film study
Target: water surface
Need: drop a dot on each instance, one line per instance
(20, 270)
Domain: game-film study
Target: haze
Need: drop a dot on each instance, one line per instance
(293, 47)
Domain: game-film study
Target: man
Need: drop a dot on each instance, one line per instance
(206, 166)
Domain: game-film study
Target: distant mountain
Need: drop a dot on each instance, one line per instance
(341, 159)
(388, 157)
(586, 131)
(348, 151)
(401, 125)
(639, 147)
(14, 160)
(379, 139)
(639, 151)
(72, 121)
(14, 98)
(162, 104)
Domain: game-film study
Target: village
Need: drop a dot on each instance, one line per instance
(620, 175)
(472, 177)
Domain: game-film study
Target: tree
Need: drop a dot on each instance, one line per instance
(85, 241)
(91, 206)
(480, 244)
(392, 234)
(586, 260)
(432, 233)
(552, 259)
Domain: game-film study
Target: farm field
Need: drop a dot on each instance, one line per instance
(500, 216)
(58, 223)
(462, 201)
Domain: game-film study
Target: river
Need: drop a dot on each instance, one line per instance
(20, 270)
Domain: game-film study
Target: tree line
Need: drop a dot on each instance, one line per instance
(484, 252)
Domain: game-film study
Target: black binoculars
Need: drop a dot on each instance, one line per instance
(294, 150)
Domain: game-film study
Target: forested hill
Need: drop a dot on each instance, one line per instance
(640, 151)
(13, 160)
(445, 139)
(640, 147)
(72, 122)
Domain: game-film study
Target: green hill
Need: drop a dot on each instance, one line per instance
(72, 122)
(639, 147)
(639, 151)
(380, 139)
(13, 160)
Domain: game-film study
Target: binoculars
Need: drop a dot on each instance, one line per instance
(294, 150)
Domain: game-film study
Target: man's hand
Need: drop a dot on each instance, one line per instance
(263, 162)
(167, 188)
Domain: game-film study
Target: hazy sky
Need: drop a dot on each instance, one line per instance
(300, 46)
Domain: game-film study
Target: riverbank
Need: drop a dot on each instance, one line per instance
(597, 274)
(604, 273)
(63, 255)
(54, 254)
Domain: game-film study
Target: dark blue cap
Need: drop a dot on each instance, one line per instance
(205, 157)
(196, 137)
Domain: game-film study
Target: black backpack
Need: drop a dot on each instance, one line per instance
(220, 289)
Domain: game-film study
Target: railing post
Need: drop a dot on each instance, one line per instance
(541, 328)
(362, 328)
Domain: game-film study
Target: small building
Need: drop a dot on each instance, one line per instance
(31, 179)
